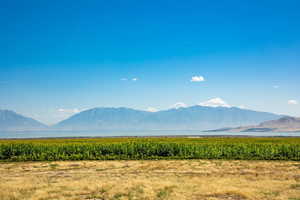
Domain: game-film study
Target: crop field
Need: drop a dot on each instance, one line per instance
(161, 148)
(165, 168)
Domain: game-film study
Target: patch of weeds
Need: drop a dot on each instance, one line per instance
(103, 190)
(295, 186)
(135, 193)
(100, 194)
(67, 194)
(95, 197)
(118, 196)
(297, 178)
(272, 193)
(165, 192)
(100, 170)
(54, 191)
(53, 165)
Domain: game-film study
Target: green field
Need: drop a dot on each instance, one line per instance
(150, 148)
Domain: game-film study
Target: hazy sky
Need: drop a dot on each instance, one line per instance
(61, 57)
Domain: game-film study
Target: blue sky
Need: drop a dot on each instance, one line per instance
(60, 57)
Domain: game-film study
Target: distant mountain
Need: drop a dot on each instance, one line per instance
(103, 118)
(190, 118)
(11, 121)
(284, 124)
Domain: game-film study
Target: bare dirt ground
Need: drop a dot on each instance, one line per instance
(147, 180)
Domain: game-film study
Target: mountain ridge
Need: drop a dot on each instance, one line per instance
(283, 124)
(123, 118)
(187, 118)
(12, 121)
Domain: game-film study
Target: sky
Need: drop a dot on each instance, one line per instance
(60, 57)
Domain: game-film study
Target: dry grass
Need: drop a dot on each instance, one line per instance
(147, 180)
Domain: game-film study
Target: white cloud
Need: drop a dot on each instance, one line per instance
(126, 79)
(292, 102)
(151, 109)
(215, 102)
(275, 86)
(68, 111)
(179, 105)
(197, 79)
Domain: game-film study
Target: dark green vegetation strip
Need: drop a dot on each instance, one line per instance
(150, 148)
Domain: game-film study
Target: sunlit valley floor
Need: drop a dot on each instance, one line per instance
(147, 180)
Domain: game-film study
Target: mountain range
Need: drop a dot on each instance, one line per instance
(11, 121)
(284, 124)
(188, 118)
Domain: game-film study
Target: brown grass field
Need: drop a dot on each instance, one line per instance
(147, 180)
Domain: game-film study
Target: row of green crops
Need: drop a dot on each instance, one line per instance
(136, 149)
(184, 140)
